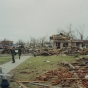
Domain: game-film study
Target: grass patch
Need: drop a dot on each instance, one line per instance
(38, 65)
(4, 58)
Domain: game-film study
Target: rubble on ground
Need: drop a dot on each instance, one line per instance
(74, 75)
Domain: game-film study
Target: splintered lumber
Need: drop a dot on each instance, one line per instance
(65, 63)
(30, 81)
(77, 78)
(23, 86)
(39, 84)
(47, 86)
(79, 83)
(71, 66)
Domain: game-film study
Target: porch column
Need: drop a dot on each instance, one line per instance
(69, 44)
(61, 45)
(54, 45)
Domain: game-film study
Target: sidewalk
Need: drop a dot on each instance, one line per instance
(7, 67)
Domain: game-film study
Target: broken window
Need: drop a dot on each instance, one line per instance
(65, 44)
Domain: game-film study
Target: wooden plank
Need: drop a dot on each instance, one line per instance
(31, 81)
(77, 78)
(71, 66)
(34, 83)
(23, 86)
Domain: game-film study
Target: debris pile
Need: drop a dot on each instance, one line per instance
(72, 75)
(75, 77)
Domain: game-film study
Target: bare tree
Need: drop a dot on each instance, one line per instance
(69, 34)
(20, 42)
(73, 34)
(43, 40)
(80, 32)
(38, 42)
(32, 42)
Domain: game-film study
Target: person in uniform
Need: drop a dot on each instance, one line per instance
(19, 51)
(13, 54)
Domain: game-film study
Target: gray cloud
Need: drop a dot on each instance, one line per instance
(20, 19)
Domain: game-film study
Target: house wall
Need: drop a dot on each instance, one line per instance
(68, 44)
(85, 43)
(7, 43)
(59, 42)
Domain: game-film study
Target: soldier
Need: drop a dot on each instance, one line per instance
(19, 52)
(34, 54)
(13, 54)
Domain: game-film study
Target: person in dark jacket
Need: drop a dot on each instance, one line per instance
(19, 51)
(13, 54)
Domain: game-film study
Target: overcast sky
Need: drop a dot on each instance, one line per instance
(22, 19)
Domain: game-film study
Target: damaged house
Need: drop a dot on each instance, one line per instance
(60, 41)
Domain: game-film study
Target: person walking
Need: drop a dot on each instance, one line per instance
(19, 51)
(13, 54)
